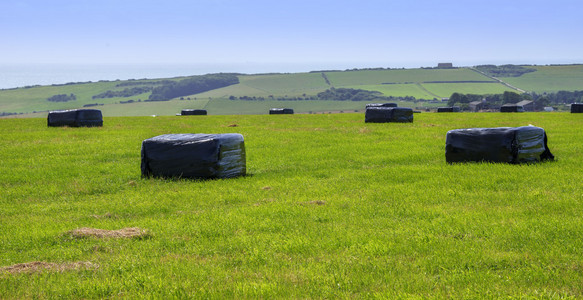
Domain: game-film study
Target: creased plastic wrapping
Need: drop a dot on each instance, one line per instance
(281, 111)
(511, 108)
(193, 112)
(381, 105)
(577, 108)
(194, 156)
(525, 144)
(380, 114)
(448, 109)
(75, 118)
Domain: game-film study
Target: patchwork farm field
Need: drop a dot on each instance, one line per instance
(332, 207)
(119, 98)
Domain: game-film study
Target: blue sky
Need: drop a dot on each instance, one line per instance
(361, 33)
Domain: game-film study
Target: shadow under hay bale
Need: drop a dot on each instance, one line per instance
(526, 144)
(281, 111)
(193, 112)
(381, 105)
(380, 114)
(511, 108)
(194, 156)
(577, 108)
(448, 109)
(75, 118)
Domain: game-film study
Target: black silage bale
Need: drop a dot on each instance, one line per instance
(193, 112)
(511, 108)
(380, 114)
(281, 111)
(381, 105)
(194, 156)
(75, 118)
(524, 144)
(577, 108)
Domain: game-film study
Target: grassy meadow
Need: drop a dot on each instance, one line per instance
(550, 79)
(332, 207)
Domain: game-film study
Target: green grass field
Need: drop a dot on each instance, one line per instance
(375, 77)
(550, 79)
(332, 208)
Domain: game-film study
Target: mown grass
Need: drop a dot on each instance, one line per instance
(399, 76)
(332, 208)
(446, 89)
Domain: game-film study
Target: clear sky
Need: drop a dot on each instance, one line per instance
(359, 33)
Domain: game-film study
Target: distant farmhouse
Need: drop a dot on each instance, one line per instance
(445, 65)
(527, 105)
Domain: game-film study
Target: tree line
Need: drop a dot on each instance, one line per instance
(504, 70)
(337, 94)
(192, 85)
(128, 92)
(62, 98)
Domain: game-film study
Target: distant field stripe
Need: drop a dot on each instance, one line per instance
(452, 81)
(446, 89)
(397, 90)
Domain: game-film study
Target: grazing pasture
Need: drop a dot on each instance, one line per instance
(550, 79)
(331, 208)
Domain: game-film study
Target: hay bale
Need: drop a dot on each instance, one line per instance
(511, 108)
(577, 108)
(524, 144)
(194, 156)
(448, 109)
(75, 118)
(381, 105)
(193, 112)
(281, 111)
(381, 114)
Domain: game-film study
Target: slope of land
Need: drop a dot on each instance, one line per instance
(429, 84)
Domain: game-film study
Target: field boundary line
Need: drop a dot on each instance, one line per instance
(498, 80)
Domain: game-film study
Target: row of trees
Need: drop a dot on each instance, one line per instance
(504, 70)
(62, 98)
(192, 85)
(336, 94)
(129, 92)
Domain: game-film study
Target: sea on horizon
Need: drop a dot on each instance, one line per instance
(26, 75)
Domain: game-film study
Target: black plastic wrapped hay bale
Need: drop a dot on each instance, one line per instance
(514, 145)
(381, 105)
(448, 109)
(75, 118)
(193, 112)
(380, 114)
(194, 156)
(511, 108)
(577, 108)
(281, 111)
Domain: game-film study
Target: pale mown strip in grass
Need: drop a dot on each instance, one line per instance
(333, 207)
(374, 77)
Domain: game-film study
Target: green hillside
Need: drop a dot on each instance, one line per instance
(418, 83)
(550, 79)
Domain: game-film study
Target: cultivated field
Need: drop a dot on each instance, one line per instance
(550, 79)
(332, 208)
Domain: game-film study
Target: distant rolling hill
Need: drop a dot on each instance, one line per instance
(263, 91)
